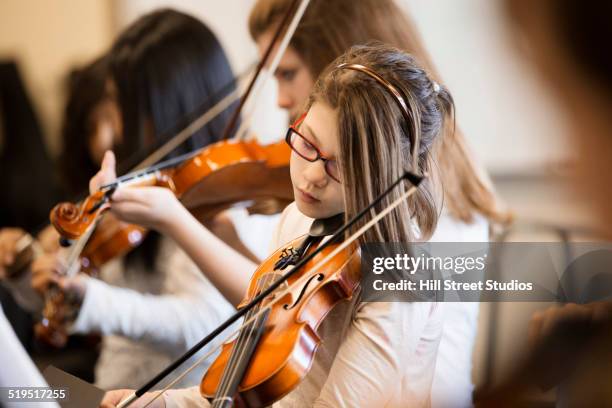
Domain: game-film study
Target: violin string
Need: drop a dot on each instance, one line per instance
(297, 283)
(223, 384)
(241, 346)
(236, 354)
(272, 68)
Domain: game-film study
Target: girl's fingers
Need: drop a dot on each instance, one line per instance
(41, 282)
(108, 163)
(136, 195)
(131, 211)
(106, 174)
(8, 240)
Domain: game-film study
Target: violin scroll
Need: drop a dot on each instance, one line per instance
(72, 220)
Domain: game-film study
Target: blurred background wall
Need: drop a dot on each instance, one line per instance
(48, 38)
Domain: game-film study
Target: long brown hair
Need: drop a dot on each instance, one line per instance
(377, 138)
(330, 27)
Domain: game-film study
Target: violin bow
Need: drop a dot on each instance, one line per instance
(202, 121)
(283, 24)
(253, 88)
(226, 102)
(242, 130)
(413, 179)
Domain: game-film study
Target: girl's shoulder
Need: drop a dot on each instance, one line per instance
(450, 229)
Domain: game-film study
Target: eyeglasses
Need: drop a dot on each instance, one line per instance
(309, 152)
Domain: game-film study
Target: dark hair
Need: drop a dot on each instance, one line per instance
(86, 89)
(167, 67)
(28, 183)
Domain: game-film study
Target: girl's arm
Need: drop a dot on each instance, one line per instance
(159, 209)
(169, 321)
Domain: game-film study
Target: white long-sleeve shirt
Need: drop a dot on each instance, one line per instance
(452, 386)
(372, 354)
(148, 318)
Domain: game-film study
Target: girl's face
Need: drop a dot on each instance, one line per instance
(105, 125)
(293, 77)
(317, 195)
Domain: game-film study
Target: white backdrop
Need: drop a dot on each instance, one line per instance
(510, 124)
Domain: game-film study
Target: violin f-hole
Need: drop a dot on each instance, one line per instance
(318, 277)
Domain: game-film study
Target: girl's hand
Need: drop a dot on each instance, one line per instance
(545, 322)
(107, 173)
(47, 269)
(113, 398)
(152, 207)
(8, 248)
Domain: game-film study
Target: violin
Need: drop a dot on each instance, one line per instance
(217, 177)
(276, 343)
(272, 355)
(111, 239)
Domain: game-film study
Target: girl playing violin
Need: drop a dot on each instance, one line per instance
(470, 208)
(180, 65)
(356, 137)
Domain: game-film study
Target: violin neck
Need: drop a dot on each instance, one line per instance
(150, 178)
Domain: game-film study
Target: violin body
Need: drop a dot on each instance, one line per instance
(221, 175)
(286, 349)
(232, 171)
(112, 239)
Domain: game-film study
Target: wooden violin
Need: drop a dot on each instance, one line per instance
(213, 179)
(272, 355)
(276, 343)
(219, 176)
(111, 239)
